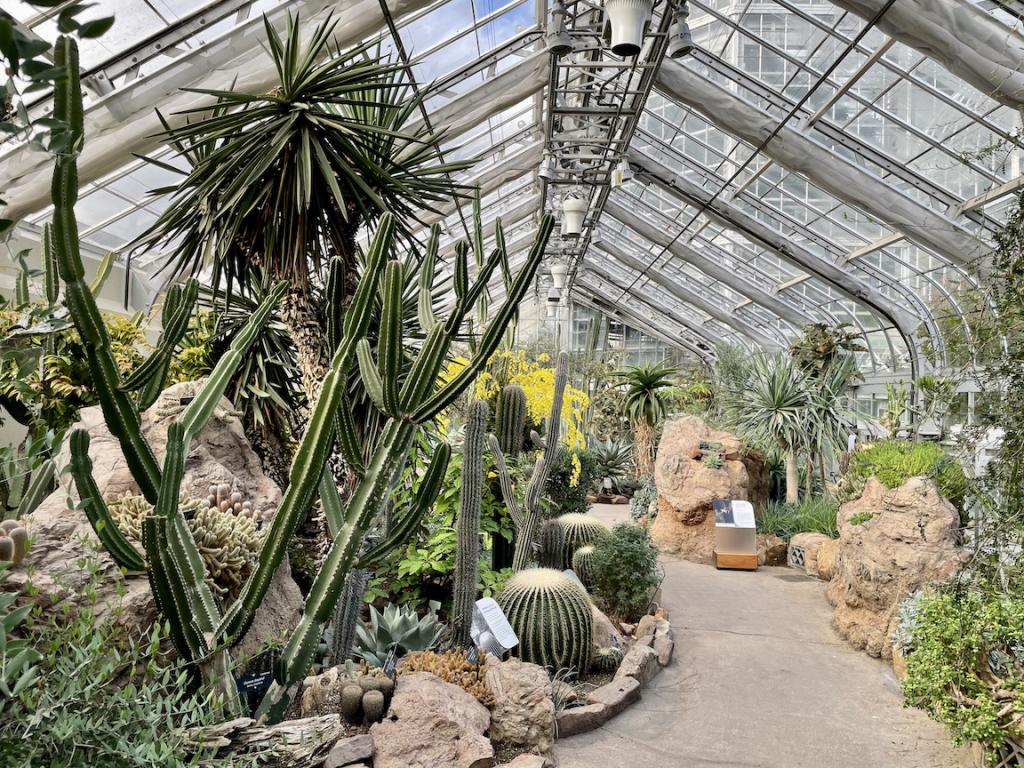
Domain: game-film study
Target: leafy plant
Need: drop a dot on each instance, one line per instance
(861, 517)
(19, 668)
(810, 515)
(938, 394)
(893, 462)
(397, 631)
(646, 405)
(895, 408)
(612, 459)
(644, 502)
(625, 571)
(965, 665)
(713, 461)
(563, 495)
(821, 345)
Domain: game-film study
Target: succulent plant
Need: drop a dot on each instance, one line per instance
(552, 542)
(551, 615)
(225, 499)
(580, 530)
(453, 667)
(396, 631)
(346, 615)
(352, 702)
(13, 542)
(510, 419)
(526, 518)
(583, 565)
(467, 553)
(606, 660)
(373, 706)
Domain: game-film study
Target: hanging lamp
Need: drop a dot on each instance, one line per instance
(627, 20)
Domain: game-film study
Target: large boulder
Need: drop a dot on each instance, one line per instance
(432, 724)
(804, 549)
(891, 543)
(524, 712)
(688, 486)
(62, 536)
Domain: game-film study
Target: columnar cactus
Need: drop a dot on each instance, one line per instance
(346, 615)
(510, 419)
(407, 399)
(526, 518)
(551, 615)
(552, 541)
(580, 530)
(467, 553)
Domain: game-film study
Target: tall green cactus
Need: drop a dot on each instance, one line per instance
(510, 419)
(346, 615)
(552, 541)
(526, 518)
(467, 553)
(200, 630)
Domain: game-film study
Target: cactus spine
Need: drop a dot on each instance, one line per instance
(552, 540)
(551, 615)
(583, 565)
(467, 554)
(510, 419)
(527, 517)
(580, 530)
(199, 630)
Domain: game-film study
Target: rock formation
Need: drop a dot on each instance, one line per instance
(62, 537)
(524, 712)
(891, 542)
(688, 485)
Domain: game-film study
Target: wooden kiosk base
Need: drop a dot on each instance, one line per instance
(736, 562)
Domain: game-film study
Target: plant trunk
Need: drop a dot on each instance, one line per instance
(643, 448)
(821, 469)
(303, 317)
(809, 476)
(792, 477)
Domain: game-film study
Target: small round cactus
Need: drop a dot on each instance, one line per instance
(583, 565)
(551, 615)
(13, 542)
(222, 497)
(6, 549)
(351, 702)
(606, 660)
(581, 530)
(373, 706)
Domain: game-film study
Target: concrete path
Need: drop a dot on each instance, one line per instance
(760, 680)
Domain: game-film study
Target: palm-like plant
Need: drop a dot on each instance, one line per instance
(646, 406)
(774, 408)
(285, 179)
(828, 415)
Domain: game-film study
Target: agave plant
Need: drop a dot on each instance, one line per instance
(614, 459)
(330, 148)
(397, 631)
(646, 406)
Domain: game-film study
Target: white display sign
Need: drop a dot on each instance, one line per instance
(734, 514)
(491, 630)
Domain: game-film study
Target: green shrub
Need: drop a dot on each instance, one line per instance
(966, 663)
(564, 497)
(810, 515)
(644, 502)
(626, 571)
(894, 462)
(103, 698)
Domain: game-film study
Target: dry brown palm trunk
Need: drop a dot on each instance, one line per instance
(643, 448)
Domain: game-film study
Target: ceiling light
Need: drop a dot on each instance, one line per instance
(574, 208)
(627, 21)
(680, 41)
(558, 40)
(548, 167)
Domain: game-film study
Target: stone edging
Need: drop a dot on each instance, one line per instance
(652, 649)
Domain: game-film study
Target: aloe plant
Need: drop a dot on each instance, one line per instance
(397, 631)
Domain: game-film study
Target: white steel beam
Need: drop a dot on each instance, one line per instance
(963, 38)
(834, 174)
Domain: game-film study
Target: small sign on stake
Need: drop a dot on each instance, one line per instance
(491, 631)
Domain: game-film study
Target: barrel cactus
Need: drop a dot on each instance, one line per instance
(581, 530)
(583, 565)
(13, 542)
(551, 615)
(552, 541)
(606, 660)
(510, 419)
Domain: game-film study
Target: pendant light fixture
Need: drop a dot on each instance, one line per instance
(558, 40)
(680, 41)
(627, 21)
(574, 209)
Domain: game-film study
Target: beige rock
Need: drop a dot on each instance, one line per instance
(803, 551)
(641, 664)
(664, 647)
(899, 662)
(687, 487)
(771, 549)
(61, 537)
(911, 540)
(432, 724)
(581, 719)
(826, 563)
(605, 633)
(616, 695)
(524, 712)
(354, 750)
(525, 761)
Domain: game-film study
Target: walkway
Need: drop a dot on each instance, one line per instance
(760, 680)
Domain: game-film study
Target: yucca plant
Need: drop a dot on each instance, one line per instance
(284, 179)
(773, 408)
(646, 406)
(614, 459)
